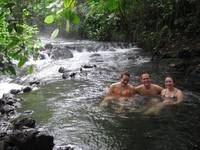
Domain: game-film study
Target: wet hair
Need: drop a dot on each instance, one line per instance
(126, 74)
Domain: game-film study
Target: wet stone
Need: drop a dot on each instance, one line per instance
(27, 122)
(65, 75)
(15, 92)
(27, 89)
(61, 70)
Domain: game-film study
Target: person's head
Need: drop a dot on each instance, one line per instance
(145, 79)
(124, 78)
(169, 82)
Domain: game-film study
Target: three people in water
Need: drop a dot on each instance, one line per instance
(171, 95)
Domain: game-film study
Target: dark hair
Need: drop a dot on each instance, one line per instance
(169, 76)
(125, 73)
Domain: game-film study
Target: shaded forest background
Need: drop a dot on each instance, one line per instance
(159, 26)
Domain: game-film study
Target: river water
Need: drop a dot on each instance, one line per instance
(68, 108)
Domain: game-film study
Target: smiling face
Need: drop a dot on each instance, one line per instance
(124, 80)
(169, 83)
(146, 79)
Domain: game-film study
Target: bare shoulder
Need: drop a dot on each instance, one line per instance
(157, 87)
(139, 87)
(131, 86)
(179, 95)
(179, 92)
(114, 85)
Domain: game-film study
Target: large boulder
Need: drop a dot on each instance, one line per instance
(61, 53)
(24, 122)
(30, 139)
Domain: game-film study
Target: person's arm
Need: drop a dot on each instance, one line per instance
(162, 92)
(133, 91)
(110, 91)
(138, 89)
(179, 96)
(159, 89)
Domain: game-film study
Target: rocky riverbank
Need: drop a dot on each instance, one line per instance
(181, 58)
(18, 132)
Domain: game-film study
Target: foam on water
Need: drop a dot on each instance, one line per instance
(6, 87)
(47, 69)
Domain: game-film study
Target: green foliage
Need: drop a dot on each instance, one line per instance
(148, 21)
(49, 19)
(54, 33)
(17, 38)
(66, 13)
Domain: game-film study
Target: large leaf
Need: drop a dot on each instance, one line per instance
(49, 19)
(54, 34)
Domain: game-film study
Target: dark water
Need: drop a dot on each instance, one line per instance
(69, 108)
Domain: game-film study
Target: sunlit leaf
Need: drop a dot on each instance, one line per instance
(26, 12)
(67, 26)
(54, 34)
(49, 19)
(69, 3)
(30, 69)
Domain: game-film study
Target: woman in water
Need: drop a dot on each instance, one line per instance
(120, 93)
(122, 88)
(171, 94)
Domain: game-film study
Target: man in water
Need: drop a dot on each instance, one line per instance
(147, 88)
(151, 92)
(122, 88)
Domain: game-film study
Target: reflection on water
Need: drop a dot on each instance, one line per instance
(69, 109)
